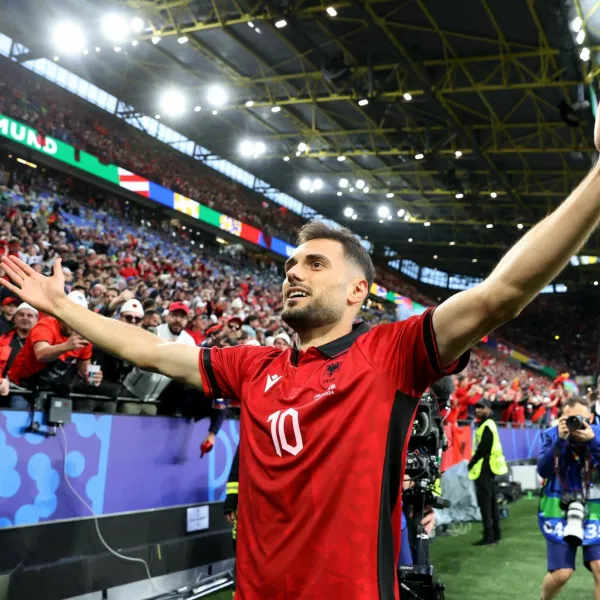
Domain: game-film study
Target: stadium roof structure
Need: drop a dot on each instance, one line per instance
(472, 117)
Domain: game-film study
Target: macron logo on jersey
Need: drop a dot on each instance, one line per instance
(271, 381)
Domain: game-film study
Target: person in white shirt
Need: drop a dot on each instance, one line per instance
(146, 386)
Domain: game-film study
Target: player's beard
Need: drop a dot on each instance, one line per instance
(312, 315)
(175, 328)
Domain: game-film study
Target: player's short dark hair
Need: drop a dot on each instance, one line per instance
(574, 400)
(353, 250)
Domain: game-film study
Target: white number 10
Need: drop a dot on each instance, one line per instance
(278, 432)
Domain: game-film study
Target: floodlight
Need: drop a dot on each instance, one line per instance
(383, 211)
(343, 183)
(246, 148)
(68, 37)
(217, 95)
(155, 39)
(173, 102)
(318, 184)
(115, 27)
(281, 23)
(136, 24)
(360, 184)
(305, 184)
(302, 147)
(407, 97)
(331, 11)
(348, 211)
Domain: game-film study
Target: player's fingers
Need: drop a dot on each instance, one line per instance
(9, 286)
(8, 268)
(18, 266)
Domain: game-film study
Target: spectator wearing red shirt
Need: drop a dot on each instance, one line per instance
(51, 345)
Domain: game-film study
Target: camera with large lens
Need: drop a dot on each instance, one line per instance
(574, 505)
(423, 461)
(575, 422)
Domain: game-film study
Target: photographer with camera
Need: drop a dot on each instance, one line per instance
(487, 462)
(569, 511)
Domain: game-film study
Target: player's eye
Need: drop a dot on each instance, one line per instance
(317, 264)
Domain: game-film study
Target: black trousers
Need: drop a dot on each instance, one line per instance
(485, 486)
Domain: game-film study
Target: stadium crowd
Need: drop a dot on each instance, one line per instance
(53, 111)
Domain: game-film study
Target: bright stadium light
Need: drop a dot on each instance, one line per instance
(493, 195)
(363, 102)
(276, 109)
(249, 103)
(489, 226)
(318, 184)
(331, 11)
(302, 147)
(280, 24)
(407, 97)
(217, 95)
(155, 39)
(136, 24)
(354, 217)
(348, 211)
(427, 224)
(419, 156)
(115, 27)
(580, 36)
(197, 108)
(576, 24)
(410, 239)
(360, 184)
(246, 148)
(452, 243)
(383, 211)
(339, 194)
(182, 39)
(389, 195)
(173, 102)
(401, 212)
(366, 189)
(585, 54)
(459, 195)
(519, 225)
(341, 158)
(134, 43)
(68, 37)
(406, 217)
(286, 158)
(305, 184)
(343, 182)
(458, 154)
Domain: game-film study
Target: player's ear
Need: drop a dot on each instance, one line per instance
(358, 290)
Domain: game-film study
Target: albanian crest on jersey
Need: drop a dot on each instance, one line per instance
(329, 373)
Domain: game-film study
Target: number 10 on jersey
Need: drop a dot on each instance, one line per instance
(277, 420)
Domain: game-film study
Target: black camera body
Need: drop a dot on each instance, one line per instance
(575, 422)
(423, 463)
(568, 498)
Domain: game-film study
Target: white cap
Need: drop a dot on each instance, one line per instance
(133, 306)
(283, 336)
(78, 298)
(252, 343)
(25, 306)
(237, 303)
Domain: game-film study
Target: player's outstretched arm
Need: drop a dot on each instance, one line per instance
(527, 268)
(133, 344)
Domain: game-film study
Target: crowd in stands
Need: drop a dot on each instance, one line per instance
(519, 396)
(53, 111)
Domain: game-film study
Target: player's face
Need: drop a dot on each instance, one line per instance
(320, 285)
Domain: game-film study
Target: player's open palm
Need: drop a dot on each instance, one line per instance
(43, 293)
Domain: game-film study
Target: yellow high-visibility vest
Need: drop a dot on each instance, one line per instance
(497, 461)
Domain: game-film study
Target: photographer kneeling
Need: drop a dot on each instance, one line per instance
(569, 511)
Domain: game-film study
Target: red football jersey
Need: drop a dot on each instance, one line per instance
(322, 452)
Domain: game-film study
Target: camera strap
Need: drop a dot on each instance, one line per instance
(585, 461)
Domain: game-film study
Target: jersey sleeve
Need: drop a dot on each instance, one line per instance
(42, 332)
(223, 370)
(406, 351)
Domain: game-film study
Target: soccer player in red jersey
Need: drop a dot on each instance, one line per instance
(325, 424)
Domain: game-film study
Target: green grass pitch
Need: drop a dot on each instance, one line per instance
(513, 569)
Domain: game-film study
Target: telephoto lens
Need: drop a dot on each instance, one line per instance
(575, 422)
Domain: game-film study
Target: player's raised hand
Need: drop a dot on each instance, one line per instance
(43, 293)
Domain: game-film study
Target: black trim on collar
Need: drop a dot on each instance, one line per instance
(342, 344)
